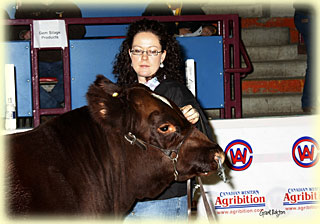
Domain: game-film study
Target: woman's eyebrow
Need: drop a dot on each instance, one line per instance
(147, 47)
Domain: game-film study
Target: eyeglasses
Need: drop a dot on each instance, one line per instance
(149, 52)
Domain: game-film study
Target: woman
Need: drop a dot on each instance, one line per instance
(150, 56)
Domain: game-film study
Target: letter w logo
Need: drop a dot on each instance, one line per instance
(306, 154)
(238, 156)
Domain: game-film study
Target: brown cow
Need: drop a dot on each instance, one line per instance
(127, 144)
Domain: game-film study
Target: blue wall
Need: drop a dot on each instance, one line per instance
(110, 10)
(18, 53)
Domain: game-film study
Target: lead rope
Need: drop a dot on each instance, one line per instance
(189, 198)
(205, 201)
(209, 211)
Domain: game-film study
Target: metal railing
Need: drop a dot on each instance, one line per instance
(233, 48)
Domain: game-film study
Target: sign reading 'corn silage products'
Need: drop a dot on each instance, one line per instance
(49, 34)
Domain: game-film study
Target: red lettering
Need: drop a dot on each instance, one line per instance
(238, 156)
(306, 154)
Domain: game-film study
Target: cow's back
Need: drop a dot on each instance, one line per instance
(55, 162)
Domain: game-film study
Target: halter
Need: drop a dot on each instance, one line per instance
(132, 139)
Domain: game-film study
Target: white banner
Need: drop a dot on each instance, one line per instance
(190, 75)
(10, 93)
(272, 170)
(49, 34)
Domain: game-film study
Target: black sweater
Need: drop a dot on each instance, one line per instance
(181, 96)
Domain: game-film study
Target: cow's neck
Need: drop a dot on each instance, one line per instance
(149, 175)
(146, 175)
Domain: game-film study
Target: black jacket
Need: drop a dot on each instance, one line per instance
(181, 96)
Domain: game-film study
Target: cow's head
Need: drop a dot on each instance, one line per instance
(163, 133)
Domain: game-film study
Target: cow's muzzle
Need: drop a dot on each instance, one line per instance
(217, 158)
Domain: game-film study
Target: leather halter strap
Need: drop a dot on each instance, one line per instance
(133, 140)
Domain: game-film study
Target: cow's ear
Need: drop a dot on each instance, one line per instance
(106, 85)
(104, 100)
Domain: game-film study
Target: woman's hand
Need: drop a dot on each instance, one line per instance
(190, 113)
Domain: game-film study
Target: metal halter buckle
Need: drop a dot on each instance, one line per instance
(132, 136)
(221, 172)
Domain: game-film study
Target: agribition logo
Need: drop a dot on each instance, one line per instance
(305, 152)
(302, 198)
(240, 154)
(237, 202)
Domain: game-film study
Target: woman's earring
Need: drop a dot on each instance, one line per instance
(161, 65)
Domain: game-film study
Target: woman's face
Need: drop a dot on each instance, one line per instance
(146, 65)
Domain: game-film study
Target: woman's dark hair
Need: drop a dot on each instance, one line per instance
(172, 69)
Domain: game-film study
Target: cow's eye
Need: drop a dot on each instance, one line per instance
(167, 128)
(164, 128)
